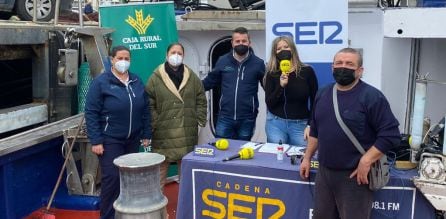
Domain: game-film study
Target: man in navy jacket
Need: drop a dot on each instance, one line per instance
(238, 73)
(341, 185)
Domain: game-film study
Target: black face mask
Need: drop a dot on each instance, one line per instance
(241, 49)
(344, 76)
(284, 55)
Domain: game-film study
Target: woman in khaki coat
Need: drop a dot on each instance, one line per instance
(178, 106)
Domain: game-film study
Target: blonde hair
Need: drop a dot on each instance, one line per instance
(296, 63)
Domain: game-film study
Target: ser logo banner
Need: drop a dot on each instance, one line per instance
(237, 202)
(323, 32)
(203, 151)
(220, 194)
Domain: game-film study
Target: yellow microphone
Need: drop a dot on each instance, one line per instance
(285, 66)
(244, 154)
(221, 144)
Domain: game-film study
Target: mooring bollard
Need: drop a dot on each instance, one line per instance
(140, 195)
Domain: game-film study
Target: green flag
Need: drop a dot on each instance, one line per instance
(146, 29)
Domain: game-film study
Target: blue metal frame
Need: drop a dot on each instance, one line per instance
(28, 175)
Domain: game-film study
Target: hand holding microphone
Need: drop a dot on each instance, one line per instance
(284, 57)
(244, 154)
(285, 68)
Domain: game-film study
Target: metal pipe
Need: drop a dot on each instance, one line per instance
(413, 69)
(444, 134)
(70, 150)
(35, 10)
(81, 14)
(418, 114)
(56, 12)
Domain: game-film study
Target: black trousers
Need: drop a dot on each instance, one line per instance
(113, 148)
(338, 196)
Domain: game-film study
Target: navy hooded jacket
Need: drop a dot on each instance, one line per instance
(115, 110)
(239, 85)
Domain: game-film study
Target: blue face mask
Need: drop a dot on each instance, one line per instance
(344, 76)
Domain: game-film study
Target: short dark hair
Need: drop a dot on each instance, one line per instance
(240, 30)
(174, 44)
(118, 48)
(352, 51)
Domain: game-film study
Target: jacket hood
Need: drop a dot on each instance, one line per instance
(161, 73)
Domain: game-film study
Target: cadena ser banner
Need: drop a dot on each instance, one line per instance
(146, 29)
(319, 29)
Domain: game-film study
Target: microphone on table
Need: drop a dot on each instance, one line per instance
(244, 154)
(221, 144)
(285, 66)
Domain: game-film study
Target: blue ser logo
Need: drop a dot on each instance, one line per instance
(323, 32)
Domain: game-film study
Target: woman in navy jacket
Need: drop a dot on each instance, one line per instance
(118, 120)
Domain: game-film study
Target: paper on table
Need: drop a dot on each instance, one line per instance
(272, 148)
(253, 145)
(296, 150)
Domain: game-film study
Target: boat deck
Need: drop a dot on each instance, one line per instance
(171, 192)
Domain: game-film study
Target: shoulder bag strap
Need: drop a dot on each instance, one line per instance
(342, 124)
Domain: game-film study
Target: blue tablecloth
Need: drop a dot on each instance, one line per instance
(265, 188)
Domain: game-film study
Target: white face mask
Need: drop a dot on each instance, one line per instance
(122, 66)
(175, 60)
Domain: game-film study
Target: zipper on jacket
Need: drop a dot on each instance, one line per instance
(133, 93)
(219, 104)
(236, 90)
(106, 124)
(253, 105)
(131, 109)
(243, 72)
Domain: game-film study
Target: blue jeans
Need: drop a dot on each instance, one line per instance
(241, 129)
(290, 131)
